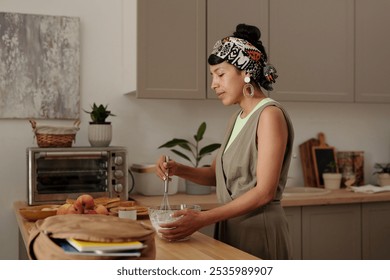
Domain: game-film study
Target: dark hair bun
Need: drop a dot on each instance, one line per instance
(248, 32)
(252, 34)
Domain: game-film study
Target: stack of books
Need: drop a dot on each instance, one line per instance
(119, 249)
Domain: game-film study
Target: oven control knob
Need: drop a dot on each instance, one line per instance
(118, 160)
(118, 188)
(118, 174)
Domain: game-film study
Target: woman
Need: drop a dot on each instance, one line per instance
(250, 169)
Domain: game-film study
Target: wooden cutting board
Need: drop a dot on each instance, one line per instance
(306, 154)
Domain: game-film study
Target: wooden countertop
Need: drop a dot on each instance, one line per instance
(198, 247)
(201, 246)
(341, 196)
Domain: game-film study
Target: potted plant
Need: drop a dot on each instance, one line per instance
(383, 171)
(332, 178)
(99, 130)
(193, 153)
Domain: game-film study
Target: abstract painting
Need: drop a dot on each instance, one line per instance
(39, 66)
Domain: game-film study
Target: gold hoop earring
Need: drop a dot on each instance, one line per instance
(248, 90)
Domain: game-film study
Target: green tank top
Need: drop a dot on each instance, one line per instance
(240, 122)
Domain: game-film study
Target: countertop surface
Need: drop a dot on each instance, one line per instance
(340, 196)
(198, 247)
(201, 246)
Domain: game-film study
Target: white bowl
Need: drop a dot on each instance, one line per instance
(158, 216)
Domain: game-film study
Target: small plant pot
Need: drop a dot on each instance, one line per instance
(332, 181)
(99, 135)
(384, 179)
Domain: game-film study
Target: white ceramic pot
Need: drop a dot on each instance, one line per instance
(99, 135)
(332, 181)
(384, 179)
(192, 188)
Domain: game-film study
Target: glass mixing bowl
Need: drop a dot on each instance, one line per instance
(158, 216)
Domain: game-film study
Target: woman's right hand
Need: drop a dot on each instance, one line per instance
(165, 169)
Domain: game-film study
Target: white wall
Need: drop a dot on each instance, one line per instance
(108, 62)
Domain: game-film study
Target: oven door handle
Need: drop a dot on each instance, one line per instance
(55, 154)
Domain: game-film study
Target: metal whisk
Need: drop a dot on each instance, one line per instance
(165, 203)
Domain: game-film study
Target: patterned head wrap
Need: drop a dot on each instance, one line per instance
(245, 56)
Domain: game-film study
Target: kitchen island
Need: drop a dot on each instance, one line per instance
(198, 247)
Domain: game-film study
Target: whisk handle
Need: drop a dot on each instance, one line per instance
(167, 179)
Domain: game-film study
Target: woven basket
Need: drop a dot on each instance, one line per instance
(52, 137)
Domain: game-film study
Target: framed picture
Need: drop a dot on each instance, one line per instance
(351, 162)
(39, 66)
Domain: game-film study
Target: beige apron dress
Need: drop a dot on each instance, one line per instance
(264, 231)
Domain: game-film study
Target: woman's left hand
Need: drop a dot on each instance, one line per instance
(189, 221)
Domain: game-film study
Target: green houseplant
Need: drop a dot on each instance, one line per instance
(383, 171)
(332, 178)
(99, 130)
(193, 153)
(381, 168)
(99, 114)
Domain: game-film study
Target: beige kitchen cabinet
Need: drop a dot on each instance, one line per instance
(171, 49)
(372, 51)
(376, 231)
(294, 218)
(330, 51)
(311, 45)
(223, 17)
(324, 51)
(331, 232)
(340, 231)
(325, 232)
(174, 42)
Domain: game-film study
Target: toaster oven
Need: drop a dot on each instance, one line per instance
(56, 174)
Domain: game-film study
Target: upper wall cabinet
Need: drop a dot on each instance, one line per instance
(372, 51)
(171, 49)
(324, 51)
(311, 46)
(174, 42)
(334, 50)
